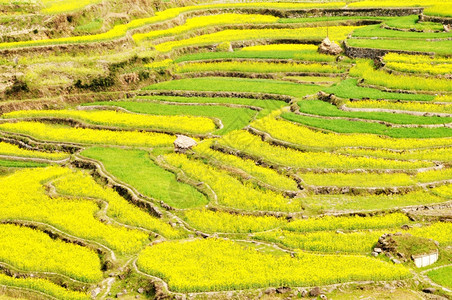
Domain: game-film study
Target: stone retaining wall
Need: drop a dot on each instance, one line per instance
(372, 53)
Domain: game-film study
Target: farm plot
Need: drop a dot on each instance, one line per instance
(31, 250)
(231, 117)
(217, 150)
(200, 263)
(24, 198)
(124, 120)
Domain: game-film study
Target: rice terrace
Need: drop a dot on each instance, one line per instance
(232, 149)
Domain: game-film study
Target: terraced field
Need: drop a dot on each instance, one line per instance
(233, 150)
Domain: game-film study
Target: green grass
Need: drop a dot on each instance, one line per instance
(264, 104)
(135, 167)
(231, 117)
(89, 27)
(414, 245)
(409, 22)
(346, 126)
(321, 108)
(350, 90)
(377, 31)
(442, 276)
(298, 55)
(440, 47)
(227, 84)
(20, 164)
(327, 19)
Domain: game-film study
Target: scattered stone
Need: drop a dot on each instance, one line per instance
(378, 250)
(405, 227)
(270, 291)
(95, 292)
(119, 295)
(315, 292)
(447, 27)
(339, 232)
(396, 261)
(328, 47)
(140, 290)
(124, 291)
(375, 253)
(429, 290)
(303, 293)
(323, 297)
(137, 297)
(283, 290)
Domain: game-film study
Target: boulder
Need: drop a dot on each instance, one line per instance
(183, 143)
(95, 292)
(315, 292)
(329, 47)
(283, 290)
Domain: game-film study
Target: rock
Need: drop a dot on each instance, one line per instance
(283, 290)
(315, 292)
(322, 296)
(95, 292)
(140, 290)
(328, 47)
(374, 253)
(429, 290)
(378, 250)
(119, 295)
(137, 297)
(396, 261)
(270, 291)
(183, 143)
(447, 27)
(405, 227)
(124, 291)
(303, 293)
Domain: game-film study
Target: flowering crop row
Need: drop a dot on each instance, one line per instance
(324, 241)
(82, 185)
(209, 221)
(23, 197)
(230, 191)
(205, 21)
(43, 286)
(348, 223)
(121, 119)
(31, 250)
(434, 154)
(213, 264)
(409, 106)
(357, 179)
(13, 150)
(302, 135)
(254, 146)
(266, 175)
(365, 69)
(257, 66)
(307, 33)
(89, 136)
